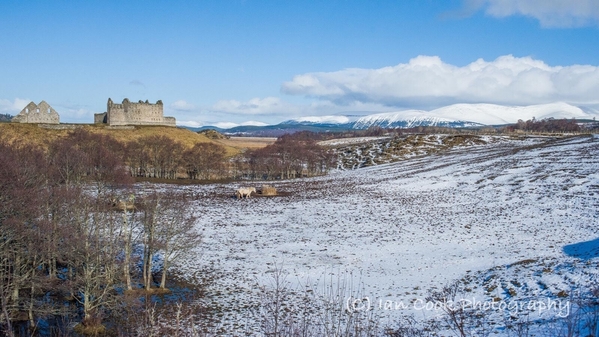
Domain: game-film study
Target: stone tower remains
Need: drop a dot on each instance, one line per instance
(140, 113)
(39, 114)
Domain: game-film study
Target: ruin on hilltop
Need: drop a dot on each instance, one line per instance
(41, 113)
(128, 113)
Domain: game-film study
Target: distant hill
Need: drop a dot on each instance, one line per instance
(272, 130)
(471, 115)
(453, 116)
(212, 134)
(5, 117)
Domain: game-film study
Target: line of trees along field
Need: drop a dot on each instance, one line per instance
(68, 236)
(545, 125)
(291, 156)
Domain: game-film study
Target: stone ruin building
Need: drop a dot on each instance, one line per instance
(37, 113)
(140, 113)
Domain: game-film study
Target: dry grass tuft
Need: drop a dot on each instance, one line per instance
(143, 291)
(251, 143)
(268, 190)
(90, 330)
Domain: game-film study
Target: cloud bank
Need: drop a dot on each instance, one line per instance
(265, 106)
(427, 81)
(14, 107)
(182, 105)
(550, 13)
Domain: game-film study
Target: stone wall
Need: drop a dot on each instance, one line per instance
(128, 113)
(41, 113)
(100, 118)
(60, 126)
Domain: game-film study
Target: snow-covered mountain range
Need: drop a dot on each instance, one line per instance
(456, 116)
(466, 115)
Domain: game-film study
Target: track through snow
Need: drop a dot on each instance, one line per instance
(401, 229)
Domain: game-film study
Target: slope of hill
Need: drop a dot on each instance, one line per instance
(499, 219)
(31, 133)
(410, 119)
(491, 114)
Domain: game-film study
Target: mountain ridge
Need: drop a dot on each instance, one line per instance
(463, 115)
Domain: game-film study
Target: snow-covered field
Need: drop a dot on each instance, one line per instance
(509, 219)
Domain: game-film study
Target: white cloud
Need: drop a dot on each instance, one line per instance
(253, 123)
(550, 13)
(255, 106)
(324, 119)
(14, 107)
(225, 125)
(191, 124)
(182, 105)
(427, 81)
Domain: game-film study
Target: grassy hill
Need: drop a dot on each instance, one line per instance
(32, 133)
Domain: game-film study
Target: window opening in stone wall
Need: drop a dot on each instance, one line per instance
(37, 110)
(48, 110)
(27, 110)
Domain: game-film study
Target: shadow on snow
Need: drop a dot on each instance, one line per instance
(583, 250)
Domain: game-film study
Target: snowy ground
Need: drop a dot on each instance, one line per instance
(349, 141)
(510, 219)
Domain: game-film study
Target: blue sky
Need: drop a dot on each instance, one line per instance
(236, 61)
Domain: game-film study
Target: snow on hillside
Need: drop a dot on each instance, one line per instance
(230, 125)
(453, 116)
(465, 115)
(491, 114)
(407, 119)
(503, 217)
(353, 153)
(350, 141)
(319, 120)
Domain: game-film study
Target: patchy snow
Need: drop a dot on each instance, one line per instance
(353, 155)
(510, 214)
(349, 141)
(322, 119)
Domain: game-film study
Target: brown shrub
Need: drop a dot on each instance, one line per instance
(268, 190)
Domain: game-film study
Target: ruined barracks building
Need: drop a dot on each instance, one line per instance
(37, 113)
(140, 113)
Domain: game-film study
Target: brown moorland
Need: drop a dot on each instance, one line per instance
(41, 136)
(251, 143)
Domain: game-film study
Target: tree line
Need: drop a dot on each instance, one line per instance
(159, 156)
(546, 125)
(76, 240)
(291, 156)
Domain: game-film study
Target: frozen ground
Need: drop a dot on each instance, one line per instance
(518, 214)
